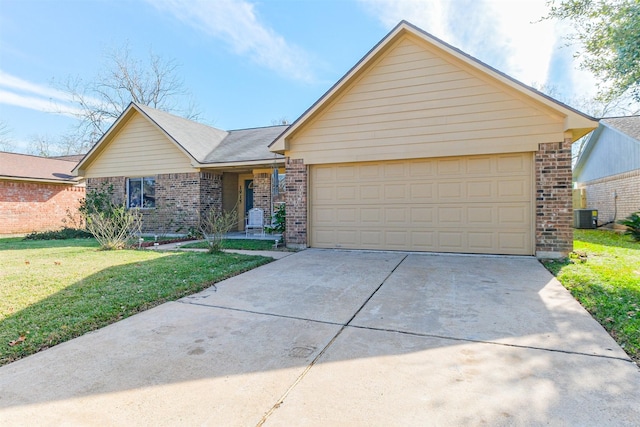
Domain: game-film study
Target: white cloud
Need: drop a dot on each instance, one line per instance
(236, 22)
(505, 34)
(22, 93)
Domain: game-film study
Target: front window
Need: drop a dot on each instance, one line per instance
(141, 193)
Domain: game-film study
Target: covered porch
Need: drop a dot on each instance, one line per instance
(244, 188)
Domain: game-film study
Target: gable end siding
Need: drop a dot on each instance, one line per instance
(413, 103)
(139, 149)
(613, 153)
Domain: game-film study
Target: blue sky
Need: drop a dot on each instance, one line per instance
(248, 62)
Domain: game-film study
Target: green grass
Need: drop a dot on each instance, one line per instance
(603, 274)
(246, 244)
(52, 291)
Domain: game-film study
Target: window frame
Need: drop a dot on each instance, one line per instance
(142, 180)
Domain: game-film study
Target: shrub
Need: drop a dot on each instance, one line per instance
(115, 227)
(62, 234)
(215, 225)
(633, 225)
(112, 224)
(279, 222)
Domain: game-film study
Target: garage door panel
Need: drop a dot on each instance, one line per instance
(324, 216)
(394, 170)
(421, 191)
(370, 171)
(394, 192)
(370, 216)
(421, 168)
(479, 204)
(346, 193)
(449, 166)
(346, 216)
(371, 238)
(480, 241)
(422, 215)
(514, 215)
(346, 172)
(370, 193)
(451, 215)
(451, 241)
(513, 163)
(324, 193)
(450, 190)
(396, 239)
(512, 240)
(325, 237)
(423, 240)
(479, 166)
(398, 215)
(479, 190)
(514, 189)
(481, 216)
(347, 238)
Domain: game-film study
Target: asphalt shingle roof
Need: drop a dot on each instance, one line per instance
(210, 145)
(246, 145)
(629, 125)
(24, 166)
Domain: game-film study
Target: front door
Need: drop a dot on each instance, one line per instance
(248, 195)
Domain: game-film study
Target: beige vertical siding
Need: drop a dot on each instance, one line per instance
(414, 102)
(139, 149)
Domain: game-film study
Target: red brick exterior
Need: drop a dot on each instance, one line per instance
(32, 206)
(296, 199)
(180, 199)
(554, 210)
(262, 194)
(615, 197)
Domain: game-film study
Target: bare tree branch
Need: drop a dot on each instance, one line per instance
(153, 81)
(5, 141)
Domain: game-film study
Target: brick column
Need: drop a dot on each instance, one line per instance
(262, 194)
(210, 192)
(296, 203)
(554, 210)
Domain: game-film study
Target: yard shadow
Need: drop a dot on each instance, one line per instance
(112, 294)
(474, 339)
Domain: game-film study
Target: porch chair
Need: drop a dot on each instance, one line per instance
(254, 221)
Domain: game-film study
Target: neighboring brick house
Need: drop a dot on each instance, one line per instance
(175, 170)
(36, 193)
(608, 169)
(421, 147)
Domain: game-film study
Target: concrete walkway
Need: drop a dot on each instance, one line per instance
(326, 337)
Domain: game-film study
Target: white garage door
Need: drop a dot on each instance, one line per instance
(475, 204)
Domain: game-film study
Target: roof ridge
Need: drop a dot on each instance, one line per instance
(37, 157)
(258, 127)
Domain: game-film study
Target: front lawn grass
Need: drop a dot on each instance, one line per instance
(246, 244)
(603, 274)
(52, 291)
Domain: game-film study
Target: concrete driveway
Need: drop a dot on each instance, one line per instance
(351, 338)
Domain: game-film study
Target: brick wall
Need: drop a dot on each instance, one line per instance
(210, 192)
(600, 196)
(28, 206)
(180, 198)
(296, 198)
(118, 183)
(262, 194)
(554, 211)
